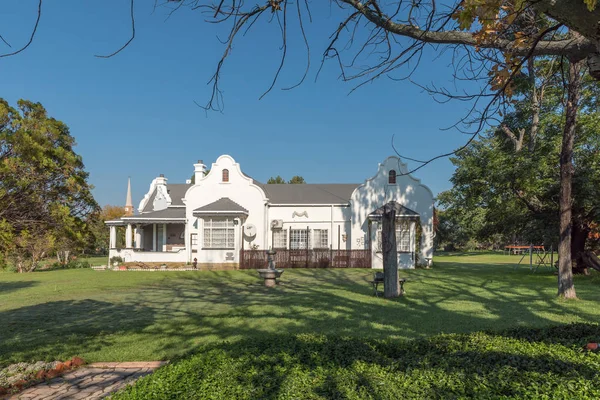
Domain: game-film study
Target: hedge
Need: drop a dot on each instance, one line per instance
(547, 363)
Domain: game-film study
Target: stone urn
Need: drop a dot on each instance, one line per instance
(270, 274)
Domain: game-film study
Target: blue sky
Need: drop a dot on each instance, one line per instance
(134, 114)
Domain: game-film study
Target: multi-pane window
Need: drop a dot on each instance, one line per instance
(392, 177)
(219, 233)
(402, 238)
(280, 239)
(225, 175)
(299, 239)
(194, 239)
(321, 239)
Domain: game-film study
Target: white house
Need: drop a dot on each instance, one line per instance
(225, 214)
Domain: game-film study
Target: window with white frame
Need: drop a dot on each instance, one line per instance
(194, 239)
(280, 239)
(320, 239)
(219, 233)
(299, 239)
(402, 237)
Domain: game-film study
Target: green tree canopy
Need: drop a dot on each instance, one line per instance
(43, 184)
(276, 180)
(505, 192)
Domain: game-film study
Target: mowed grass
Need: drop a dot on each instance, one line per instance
(130, 316)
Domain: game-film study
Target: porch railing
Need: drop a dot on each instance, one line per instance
(313, 258)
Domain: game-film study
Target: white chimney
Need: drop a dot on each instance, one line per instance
(199, 171)
(161, 180)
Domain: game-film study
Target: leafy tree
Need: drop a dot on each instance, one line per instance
(43, 185)
(489, 41)
(277, 180)
(29, 247)
(508, 184)
(100, 232)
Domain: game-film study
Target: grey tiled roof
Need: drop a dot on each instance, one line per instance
(223, 205)
(176, 192)
(171, 212)
(401, 211)
(309, 193)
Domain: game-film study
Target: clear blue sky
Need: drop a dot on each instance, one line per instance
(134, 114)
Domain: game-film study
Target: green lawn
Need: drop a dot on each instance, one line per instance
(119, 316)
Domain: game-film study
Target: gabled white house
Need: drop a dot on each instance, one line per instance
(226, 212)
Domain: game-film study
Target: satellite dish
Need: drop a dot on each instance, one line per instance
(250, 230)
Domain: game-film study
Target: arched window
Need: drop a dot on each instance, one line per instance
(392, 177)
(225, 175)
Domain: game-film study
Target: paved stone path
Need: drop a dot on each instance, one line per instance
(93, 381)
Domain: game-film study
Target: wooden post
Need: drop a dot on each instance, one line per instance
(530, 256)
(242, 248)
(307, 245)
(391, 286)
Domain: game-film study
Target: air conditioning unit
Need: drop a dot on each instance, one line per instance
(277, 224)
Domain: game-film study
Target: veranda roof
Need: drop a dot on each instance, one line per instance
(223, 206)
(401, 211)
(169, 215)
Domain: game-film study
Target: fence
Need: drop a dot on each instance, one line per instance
(313, 258)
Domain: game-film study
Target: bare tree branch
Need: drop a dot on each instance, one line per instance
(128, 42)
(35, 27)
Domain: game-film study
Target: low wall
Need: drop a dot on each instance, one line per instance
(130, 255)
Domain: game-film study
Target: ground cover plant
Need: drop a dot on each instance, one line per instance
(138, 316)
(524, 363)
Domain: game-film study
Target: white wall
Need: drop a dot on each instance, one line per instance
(319, 217)
(239, 189)
(408, 191)
(129, 255)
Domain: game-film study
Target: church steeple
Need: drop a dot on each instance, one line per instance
(128, 202)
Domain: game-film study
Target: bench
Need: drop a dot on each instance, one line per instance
(378, 279)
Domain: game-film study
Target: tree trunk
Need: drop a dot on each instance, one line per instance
(391, 287)
(566, 288)
(579, 237)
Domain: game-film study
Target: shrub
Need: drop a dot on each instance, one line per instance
(116, 260)
(73, 264)
(522, 363)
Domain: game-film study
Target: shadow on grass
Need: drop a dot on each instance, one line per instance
(173, 313)
(7, 287)
(340, 302)
(63, 329)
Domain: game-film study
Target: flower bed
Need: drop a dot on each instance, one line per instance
(16, 377)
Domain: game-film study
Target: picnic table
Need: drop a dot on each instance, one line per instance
(378, 279)
(522, 249)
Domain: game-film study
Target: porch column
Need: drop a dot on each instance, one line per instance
(153, 237)
(128, 233)
(138, 236)
(113, 237)
(164, 238)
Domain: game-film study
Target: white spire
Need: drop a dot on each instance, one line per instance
(128, 202)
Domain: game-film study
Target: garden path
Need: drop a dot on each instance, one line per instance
(93, 381)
